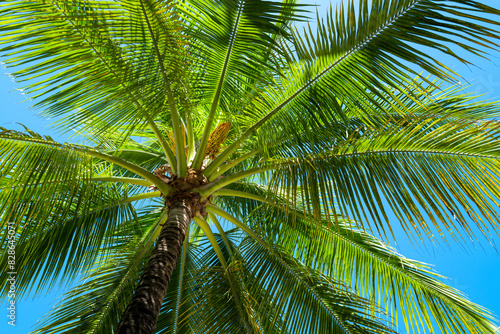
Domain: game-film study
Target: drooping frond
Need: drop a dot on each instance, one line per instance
(94, 64)
(58, 198)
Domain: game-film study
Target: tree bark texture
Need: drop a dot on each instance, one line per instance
(142, 312)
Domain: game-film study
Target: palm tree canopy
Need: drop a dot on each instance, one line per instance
(295, 145)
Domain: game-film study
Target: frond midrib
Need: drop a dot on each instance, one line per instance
(396, 151)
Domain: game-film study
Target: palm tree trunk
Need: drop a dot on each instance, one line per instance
(142, 312)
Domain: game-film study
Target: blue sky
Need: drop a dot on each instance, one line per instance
(473, 267)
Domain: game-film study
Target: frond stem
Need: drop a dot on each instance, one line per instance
(237, 193)
(200, 154)
(231, 164)
(211, 237)
(128, 180)
(164, 188)
(190, 136)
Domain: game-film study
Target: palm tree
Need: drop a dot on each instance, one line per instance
(235, 174)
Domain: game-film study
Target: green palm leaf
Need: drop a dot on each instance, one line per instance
(436, 164)
(98, 300)
(365, 61)
(371, 268)
(324, 306)
(107, 61)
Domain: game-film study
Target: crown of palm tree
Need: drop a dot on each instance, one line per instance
(236, 171)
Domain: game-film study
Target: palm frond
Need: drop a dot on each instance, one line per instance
(310, 131)
(428, 165)
(406, 289)
(61, 214)
(107, 75)
(234, 40)
(309, 300)
(95, 305)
